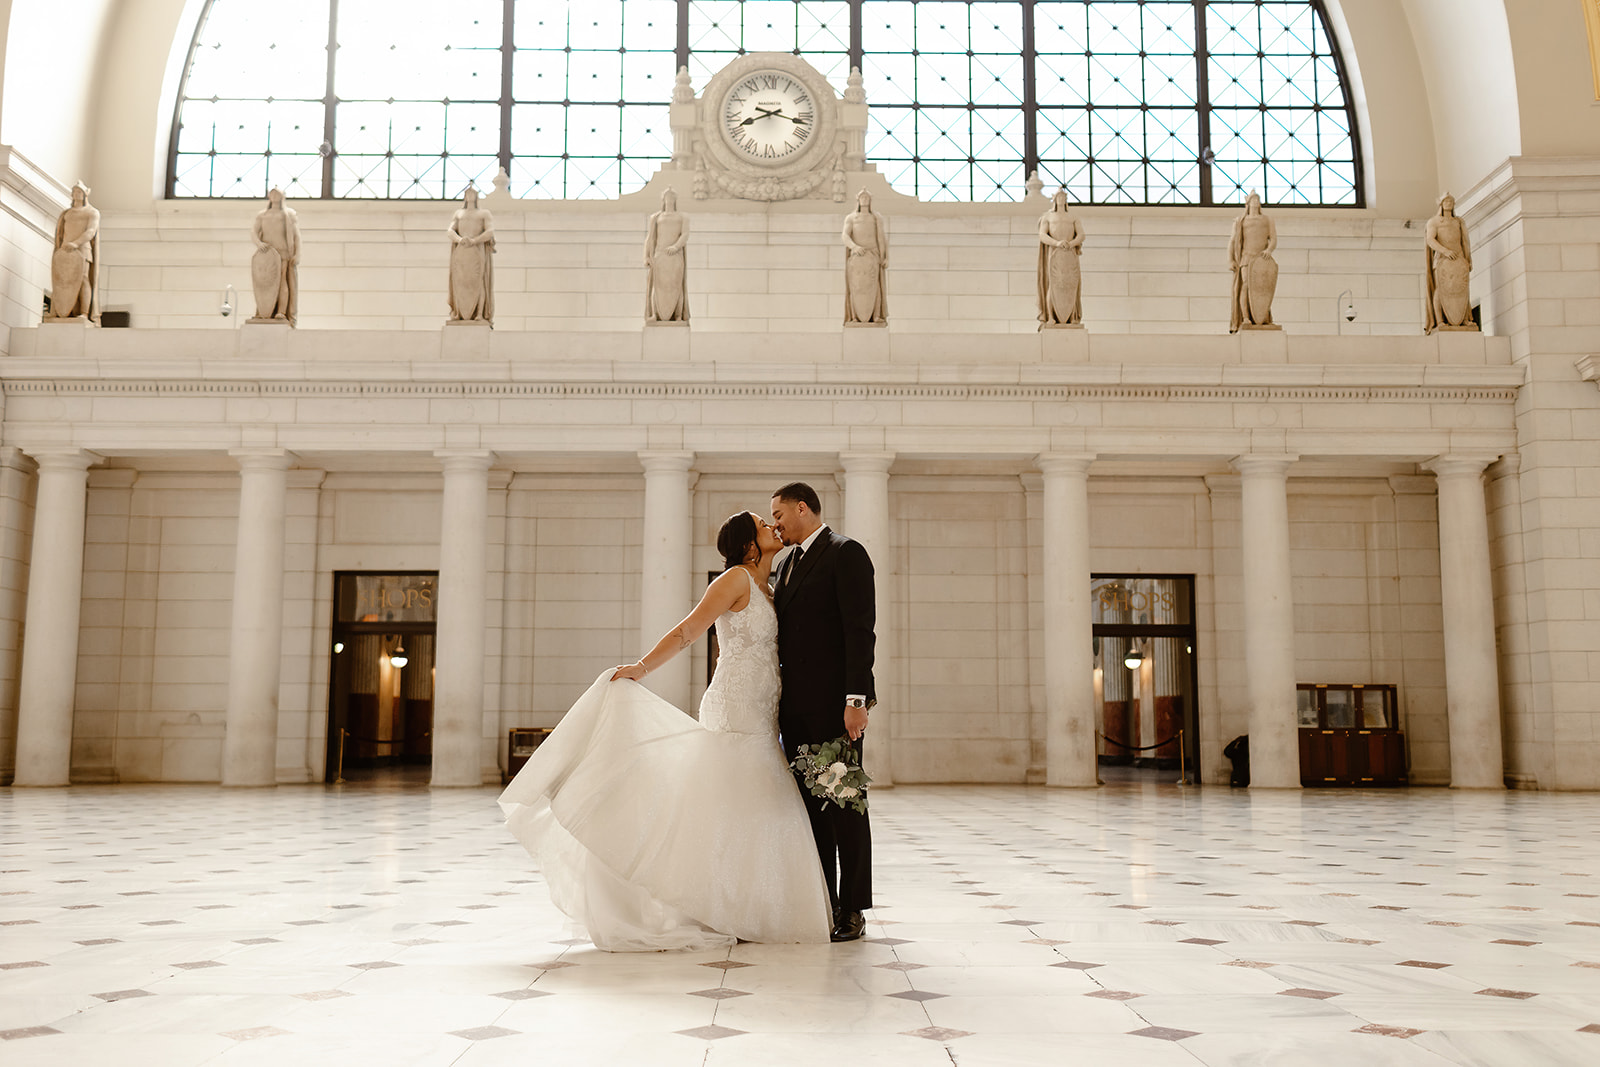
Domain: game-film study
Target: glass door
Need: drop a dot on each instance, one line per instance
(380, 685)
(1145, 672)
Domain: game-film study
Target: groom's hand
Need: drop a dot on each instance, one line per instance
(855, 721)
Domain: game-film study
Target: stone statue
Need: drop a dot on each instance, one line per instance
(666, 289)
(471, 262)
(1060, 276)
(75, 264)
(1255, 272)
(866, 258)
(275, 267)
(1449, 267)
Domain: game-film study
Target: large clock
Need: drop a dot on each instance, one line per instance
(768, 116)
(766, 127)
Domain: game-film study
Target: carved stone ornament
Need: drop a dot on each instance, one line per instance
(767, 127)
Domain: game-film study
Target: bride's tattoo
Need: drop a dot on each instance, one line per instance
(683, 638)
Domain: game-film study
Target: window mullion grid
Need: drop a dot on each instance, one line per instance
(1261, 93)
(681, 47)
(508, 52)
(330, 104)
(855, 33)
(1202, 63)
(1144, 112)
(1030, 95)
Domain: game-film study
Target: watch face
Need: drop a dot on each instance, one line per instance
(768, 116)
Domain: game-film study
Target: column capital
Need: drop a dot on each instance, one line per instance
(262, 459)
(661, 460)
(1459, 464)
(866, 462)
(1064, 462)
(1507, 466)
(463, 461)
(1264, 462)
(64, 459)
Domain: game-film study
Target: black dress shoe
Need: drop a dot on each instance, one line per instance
(851, 925)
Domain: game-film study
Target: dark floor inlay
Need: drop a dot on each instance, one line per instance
(711, 1033)
(1163, 1033)
(937, 1033)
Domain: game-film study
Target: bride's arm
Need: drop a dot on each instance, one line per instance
(724, 594)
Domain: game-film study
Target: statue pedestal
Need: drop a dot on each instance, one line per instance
(665, 341)
(465, 340)
(1253, 326)
(1470, 327)
(1064, 343)
(264, 339)
(1263, 345)
(64, 338)
(866, 345)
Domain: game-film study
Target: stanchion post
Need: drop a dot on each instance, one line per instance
(1183, 761)
(339, 773)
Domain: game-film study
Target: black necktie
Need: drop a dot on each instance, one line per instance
(794, 564)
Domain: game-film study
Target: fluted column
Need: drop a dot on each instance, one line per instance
(1471, 664)
(667, 592)
(250, 744)
(1069, 711)
(1269, 620)
(458, 656)
(866, 519)
(50, 630)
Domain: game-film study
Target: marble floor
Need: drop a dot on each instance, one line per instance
(1138, 924)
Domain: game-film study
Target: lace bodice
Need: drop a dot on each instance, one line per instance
(743, 696)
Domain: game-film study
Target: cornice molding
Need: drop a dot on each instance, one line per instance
(1487, 392)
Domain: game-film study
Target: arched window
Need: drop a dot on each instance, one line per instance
(1120, 101)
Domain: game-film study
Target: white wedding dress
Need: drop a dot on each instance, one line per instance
(655, 831)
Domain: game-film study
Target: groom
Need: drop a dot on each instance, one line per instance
(824, 599)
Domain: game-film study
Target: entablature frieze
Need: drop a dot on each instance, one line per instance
(1494, 386)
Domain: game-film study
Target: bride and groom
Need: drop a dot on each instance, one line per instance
(655, 831)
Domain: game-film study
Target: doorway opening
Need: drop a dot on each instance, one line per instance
(380, 686)
(1145, 676)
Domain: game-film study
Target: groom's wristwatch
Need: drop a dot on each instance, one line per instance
(855, 702)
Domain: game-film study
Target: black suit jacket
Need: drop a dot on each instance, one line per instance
(826, 613)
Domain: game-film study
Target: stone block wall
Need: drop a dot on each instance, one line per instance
(755, 268)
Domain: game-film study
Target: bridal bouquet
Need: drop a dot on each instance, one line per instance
(832, 771)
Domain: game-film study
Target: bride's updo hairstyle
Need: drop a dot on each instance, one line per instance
(738, 533)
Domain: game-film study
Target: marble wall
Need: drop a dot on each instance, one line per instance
(153, 658)
(762, 268)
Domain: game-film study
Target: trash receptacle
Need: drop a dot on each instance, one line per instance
(1238, 752)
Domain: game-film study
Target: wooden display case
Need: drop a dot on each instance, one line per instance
(1350, 736)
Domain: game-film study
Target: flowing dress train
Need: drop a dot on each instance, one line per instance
(655, 831)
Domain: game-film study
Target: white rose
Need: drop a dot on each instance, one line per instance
(838, 770)
(848, 792)
(828, 779)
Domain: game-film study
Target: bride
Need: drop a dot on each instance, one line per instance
(655, 831)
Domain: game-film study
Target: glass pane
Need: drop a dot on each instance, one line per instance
(1306, 707)
(1340, 706)
(1375, 710)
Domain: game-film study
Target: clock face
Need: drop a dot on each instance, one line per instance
(768, 116)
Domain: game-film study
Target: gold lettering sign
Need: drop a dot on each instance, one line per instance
(1119, 598)
(388, 598)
